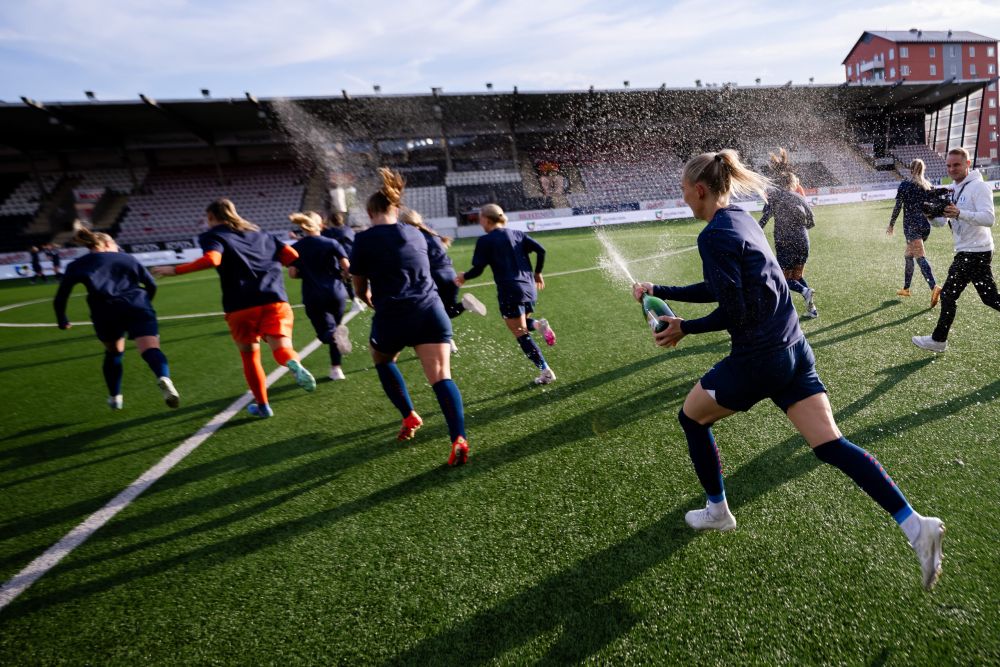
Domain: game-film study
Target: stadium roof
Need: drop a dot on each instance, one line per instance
(915, 36)
(65, 126)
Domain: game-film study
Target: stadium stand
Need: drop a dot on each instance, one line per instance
(26, 197)
(934, 163)
(172, 204)
(431, 202)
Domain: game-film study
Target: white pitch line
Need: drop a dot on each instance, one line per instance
(74, 538)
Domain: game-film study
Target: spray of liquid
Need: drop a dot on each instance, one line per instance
(612, 262)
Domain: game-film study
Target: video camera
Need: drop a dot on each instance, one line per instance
(935, 202)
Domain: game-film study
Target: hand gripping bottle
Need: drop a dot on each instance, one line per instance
(652, 309)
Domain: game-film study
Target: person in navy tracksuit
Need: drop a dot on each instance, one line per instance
(770, 356)
(338, 230)
(322, 265)
(505, 251)
(392, 274)
(120, 292)
(792, 220)
(910, 196)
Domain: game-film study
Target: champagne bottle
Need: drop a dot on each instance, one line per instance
(652, 309)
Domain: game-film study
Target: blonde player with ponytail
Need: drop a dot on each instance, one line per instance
(392, 273)
(120, 292)
(770, 357)
(911, 194)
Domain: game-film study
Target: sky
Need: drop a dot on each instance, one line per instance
(53, 50)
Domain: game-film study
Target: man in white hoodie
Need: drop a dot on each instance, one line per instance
(970, 216)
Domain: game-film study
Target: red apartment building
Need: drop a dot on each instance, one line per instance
(894, 56)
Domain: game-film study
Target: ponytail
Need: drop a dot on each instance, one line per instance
(389, 195)
(88, 238)
(917, 174)
(414, 219)
(224, 211)
(310, 221)
(779, 161)
(494, 214)
(724, 175)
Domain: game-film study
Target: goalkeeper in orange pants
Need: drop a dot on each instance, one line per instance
(249, 264)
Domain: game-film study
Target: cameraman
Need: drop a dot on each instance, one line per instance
(970, 216)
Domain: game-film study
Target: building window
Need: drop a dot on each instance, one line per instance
(954, 70)
(993, 119)
(954, 52)
(904, 69)
(933, 52)
(892, 72)
(993, 103)
(857, 69)
(892, 54)
(992, 86)
(991, 69)
(993, 136)
(993, 153)
(933, 70)
(990, 51)
(972, 52)
(972, 69)
(904, 52)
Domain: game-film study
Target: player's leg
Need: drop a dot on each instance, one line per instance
(436, 361)
(394, 386)
(515, 317)
(324, 325)
(696, 417)
(276, 330)
(985, 283)
(149, 350)
(916, 249)
(113, 369)
(959, 275)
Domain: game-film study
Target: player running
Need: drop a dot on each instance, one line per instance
(322, 266)
(910, 195)
(342, 233)
(506, 252)
(792, 220)
(392, 274)
(770, 356)
(120, 292)
(442, 270)
(249, 263)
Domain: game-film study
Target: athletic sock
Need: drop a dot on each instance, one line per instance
(254, 374)
(803, 282)
(705, 457)
(796, 286)
(867, 473)
(907, 273)
(395, 387)
(157, 362)
(335, 356)
(530, 323)
(925, 268)
(114, 369)
(450, 401)
(911, 526)
(532, 351)
(284, 354)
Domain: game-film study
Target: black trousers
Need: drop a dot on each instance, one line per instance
(967, 267)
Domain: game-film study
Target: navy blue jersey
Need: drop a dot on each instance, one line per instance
(319, 266)
(742, 275)
(250, 272)
(36, 260)
(506, 252)
(394, 260)
(114, 280)
(792, 217)
(442, 270)
(909, 197)
(342, 235)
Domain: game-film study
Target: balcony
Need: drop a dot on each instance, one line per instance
(874, 64)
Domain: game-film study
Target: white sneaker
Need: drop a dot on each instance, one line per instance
(928, 343)
(337, 373)
(928, 548)
(545, 377)
(454, 347)
(342, 337)
(170, 395)
(115, 402)
(704, 520)
(472, 303)
(810, 302)
(359, 305)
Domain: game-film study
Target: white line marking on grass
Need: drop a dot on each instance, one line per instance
(36, 325)
(74, 538)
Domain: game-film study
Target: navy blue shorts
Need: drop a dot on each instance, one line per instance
(325, 315)
(514, 309)
(914, 232)
(135, 322)
(786, 377)
(390, 334)
(791, 256)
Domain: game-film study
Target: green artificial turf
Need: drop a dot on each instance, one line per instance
(315, 537)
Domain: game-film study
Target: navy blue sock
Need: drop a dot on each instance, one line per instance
(925, 268)
(450, 401)
(532, 351)
(113, 369)
(395, 387)
(796, 286)
(908, 273)
(157, 362)
(867, 473)
(335, 356)
(705, 457)
(530, 323)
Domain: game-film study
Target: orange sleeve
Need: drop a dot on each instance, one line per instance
(287, 254)
(210, 259)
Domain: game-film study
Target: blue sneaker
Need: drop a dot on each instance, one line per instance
(263, 411)
(302, 376)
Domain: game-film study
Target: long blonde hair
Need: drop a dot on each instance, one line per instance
(224, 211)
(389, 195)
(917, 174)
(494, 214)
(779, 161)
(414, 219)
(88, 238)
(310, 222)
(724, 175)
